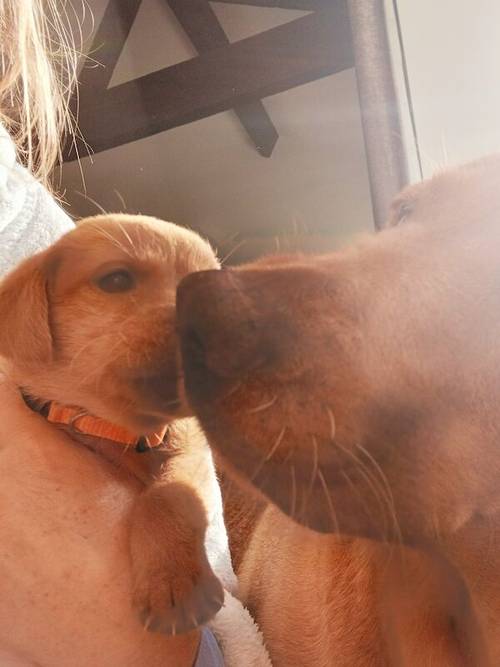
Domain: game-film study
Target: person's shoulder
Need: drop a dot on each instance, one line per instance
(30, 218)
(7, 150)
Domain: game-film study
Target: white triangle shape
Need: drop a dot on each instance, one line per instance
(241, 21)
(155, 41)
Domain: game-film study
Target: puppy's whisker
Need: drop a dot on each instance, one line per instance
(264, 406)
(103, 340)
(114, 241)
(93, 201)
(78, 354)
(98, 371)
(126, 234)
(108, 336)
(121, 199)
(233, 250)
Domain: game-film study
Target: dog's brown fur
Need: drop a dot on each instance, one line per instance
(115, 355)
(360, 393)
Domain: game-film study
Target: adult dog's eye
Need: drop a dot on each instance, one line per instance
(401, 210)
(116, 281)
(404, 210)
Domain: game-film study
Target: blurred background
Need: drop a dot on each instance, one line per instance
(277, 124)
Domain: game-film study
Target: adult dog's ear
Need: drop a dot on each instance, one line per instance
(25, 335)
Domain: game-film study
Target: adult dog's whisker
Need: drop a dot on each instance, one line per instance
(233, 390)
(329, 502)
(269, 455)
(308, 490)
(356, 492)
(274, 448)
(435, 526)
(174, 401)
(379, 487)
(147, 622)
(293, 508)
(264, 406)
(315, 464)
(371, 483)
(331, 418)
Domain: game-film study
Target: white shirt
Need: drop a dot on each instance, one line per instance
(30, 219)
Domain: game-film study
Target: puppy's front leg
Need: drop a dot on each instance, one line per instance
(175, 589)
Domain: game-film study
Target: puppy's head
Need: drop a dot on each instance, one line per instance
(90, 321)
(359, 391)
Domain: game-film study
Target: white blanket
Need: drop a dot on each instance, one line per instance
(238, 636)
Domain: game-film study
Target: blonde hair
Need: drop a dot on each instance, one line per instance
(37, 77)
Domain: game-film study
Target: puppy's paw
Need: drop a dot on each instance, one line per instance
(175, 589)
(176, 596)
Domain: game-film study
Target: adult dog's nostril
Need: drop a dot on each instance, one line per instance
(193, 345)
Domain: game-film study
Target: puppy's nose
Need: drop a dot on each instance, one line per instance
(222, 329)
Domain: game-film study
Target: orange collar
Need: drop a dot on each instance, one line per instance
(81, 422)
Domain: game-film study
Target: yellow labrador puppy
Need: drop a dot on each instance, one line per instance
(89, 352)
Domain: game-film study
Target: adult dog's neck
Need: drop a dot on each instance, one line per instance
(474, 551)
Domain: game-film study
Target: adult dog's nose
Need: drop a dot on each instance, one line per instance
(222, 330)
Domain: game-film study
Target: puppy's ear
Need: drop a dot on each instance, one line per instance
(25, 335)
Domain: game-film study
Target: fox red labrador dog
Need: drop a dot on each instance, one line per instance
(358, 394)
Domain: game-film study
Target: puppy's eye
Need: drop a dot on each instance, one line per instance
(116, 281)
